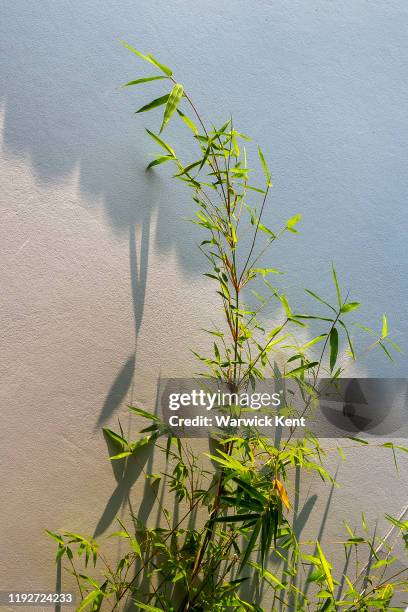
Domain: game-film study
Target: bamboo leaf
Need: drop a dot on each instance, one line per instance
(89, 599)
(386, 351)
(161, 142)
(144, 606)
(115, 437)
(154, 104)
(251, 491)
(282, 492)
(159, 160)
(336, 284)
(159, 65)
(265, 167)
(55, 537)
(384, 331)
(188, 122)
(292, 222)
(314, 341)
(334, 347)
(326, 568)
(147, 58)
(173, 100)
(264, 271)
(300, 369)
(350, 306)
(251, 544)
(235, 519)
(351, 347)
(121, 455)
(317, 297)
(144, 80)
(143, 413)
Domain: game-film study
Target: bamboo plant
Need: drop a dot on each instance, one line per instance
(203, 564)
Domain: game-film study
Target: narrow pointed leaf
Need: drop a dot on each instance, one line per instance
(282, 492)
(302, 368)
(188, 122)
(161, 142)
(336, 284)
(334, 347)
(173, 101)
(326, 568)
(384, 331)
(144, 80)
(115, 437)
(265, 167)
(154, 104)
(350, 306)
(159, 160)
(143, 413)
(292, 222)
(159, 65)
(147, 58)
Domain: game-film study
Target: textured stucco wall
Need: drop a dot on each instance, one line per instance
(100, 288)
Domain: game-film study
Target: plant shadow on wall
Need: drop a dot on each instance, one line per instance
(233, 539)
(65, 122)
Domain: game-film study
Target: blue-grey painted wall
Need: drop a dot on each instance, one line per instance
(101, 289)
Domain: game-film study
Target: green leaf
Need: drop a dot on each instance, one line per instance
(147, 58)
(348, 339)
(386, 351)
(154, 104)
(334, 347)
(336, 284)
(161, 142)
(143, 413)
(271, 578)
(89, 599)
(359, 440)
(292, 222)
(312, 342)
(115, 437)
(188, 122)
(251, 543)
(251, 491)
(143, 442)
(159, 160)
(173, 101)
(144, 80)
(265, 167)
(235, 519)
(121, 455)
(55, 537)
(286, 306)
(119, 534)
(317, 297)
(383, 562)
(350, 306)
(326, 568)
(135, 547)
(384, 331)
(147, 607)
(302, 368)
(159, 65)
(264, 271)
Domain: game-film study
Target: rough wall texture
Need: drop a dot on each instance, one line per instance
(100, 288)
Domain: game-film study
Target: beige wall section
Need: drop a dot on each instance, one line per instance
(94, 250)
(70, 359)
